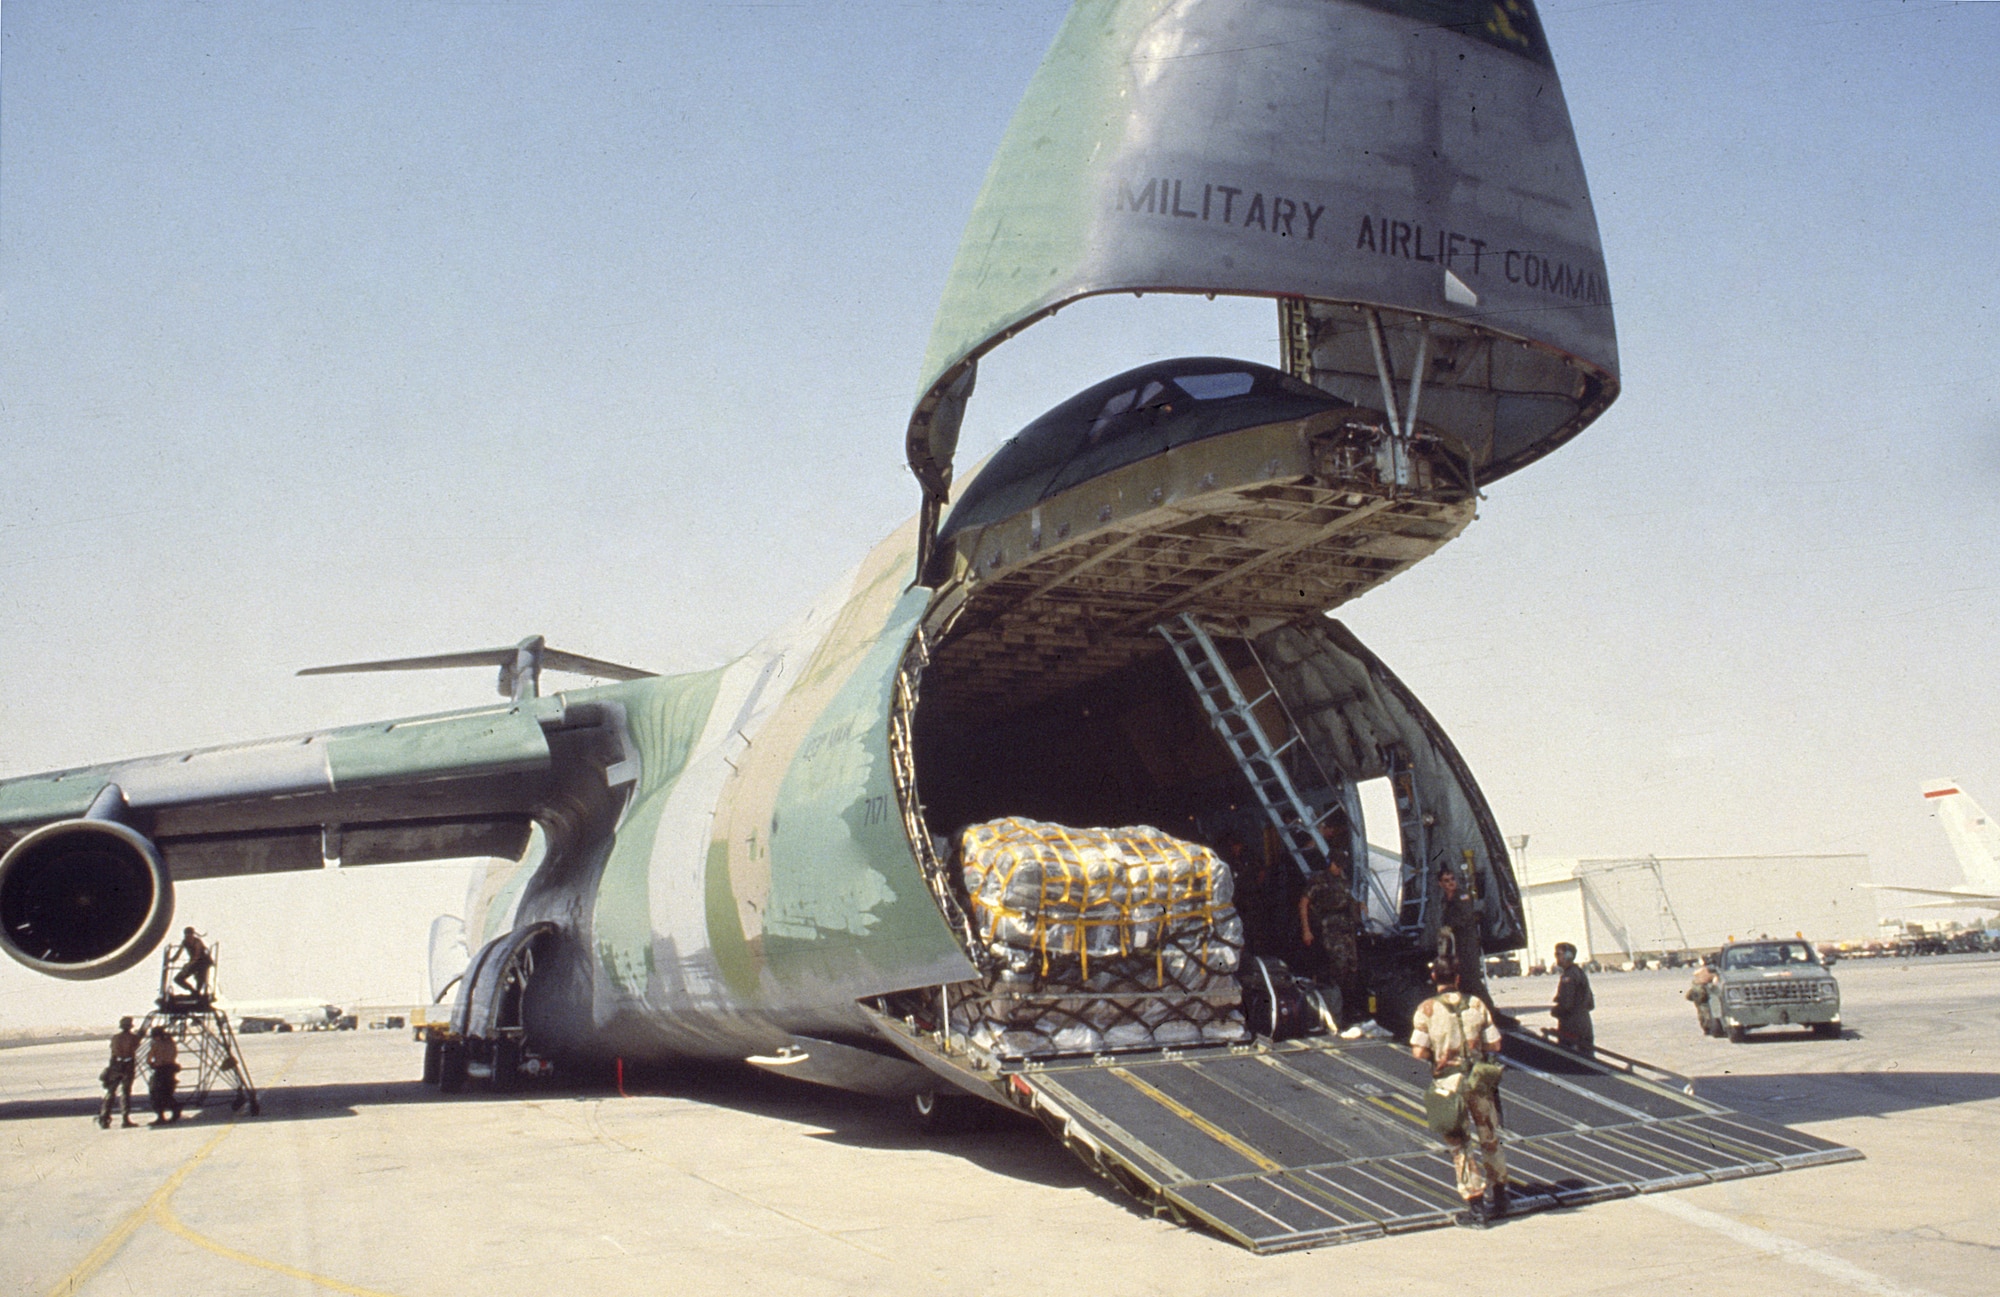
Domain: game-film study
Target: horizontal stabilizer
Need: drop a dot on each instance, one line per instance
(520, 665)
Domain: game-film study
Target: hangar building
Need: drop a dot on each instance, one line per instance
(1617, 910)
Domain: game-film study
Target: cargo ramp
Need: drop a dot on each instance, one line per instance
(1309, 1143)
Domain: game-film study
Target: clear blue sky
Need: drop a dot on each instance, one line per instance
(335, 331)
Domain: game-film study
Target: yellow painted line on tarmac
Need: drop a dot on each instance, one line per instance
(117, 1238)
(164, 1217)
(156, 1210)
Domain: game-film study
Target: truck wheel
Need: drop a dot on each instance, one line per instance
(451, 1066)
(433, 1056)
(1826, 1030)
(1737, 1035)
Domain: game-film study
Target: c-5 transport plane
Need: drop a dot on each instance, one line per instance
(755, 862)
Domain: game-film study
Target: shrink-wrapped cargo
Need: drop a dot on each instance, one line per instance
(1104, 939)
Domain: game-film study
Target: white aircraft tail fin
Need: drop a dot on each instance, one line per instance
(1974, 836)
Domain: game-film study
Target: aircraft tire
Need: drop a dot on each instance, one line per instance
(433, 1058)
(451, 1066)
(943, 1114)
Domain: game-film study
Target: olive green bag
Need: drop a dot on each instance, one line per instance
(1444, 1109)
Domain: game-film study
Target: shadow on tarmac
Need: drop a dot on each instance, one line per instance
(279, 1103)
(1788, 1098)
(991, 1138)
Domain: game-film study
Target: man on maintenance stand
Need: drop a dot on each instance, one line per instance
(118, 1076)
(1453, 1031)
(193, 976)
(1573, 1003)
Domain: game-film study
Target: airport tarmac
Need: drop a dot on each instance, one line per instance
(357, 1179)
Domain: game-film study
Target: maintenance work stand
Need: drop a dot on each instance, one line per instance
(202, 1033)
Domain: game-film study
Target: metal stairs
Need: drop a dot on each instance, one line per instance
(1234, 717)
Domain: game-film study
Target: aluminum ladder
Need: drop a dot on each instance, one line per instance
(1235, 721)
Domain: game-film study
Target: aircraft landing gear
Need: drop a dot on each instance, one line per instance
(451, 1066)
(943, 1114)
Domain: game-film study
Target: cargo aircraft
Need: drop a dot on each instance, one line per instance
(1974, 839)
(753, 862)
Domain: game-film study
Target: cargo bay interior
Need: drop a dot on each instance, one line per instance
(1229, 503)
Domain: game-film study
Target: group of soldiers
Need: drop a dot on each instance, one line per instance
(1457, 1035)
(162, 1051)
(1456, 1030)
(162, 1074)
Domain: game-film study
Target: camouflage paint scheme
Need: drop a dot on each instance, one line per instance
(761, 880)
(756, 879)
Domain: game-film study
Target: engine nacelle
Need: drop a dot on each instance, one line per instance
(84, 899)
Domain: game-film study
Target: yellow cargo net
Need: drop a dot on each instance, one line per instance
(1060, 887)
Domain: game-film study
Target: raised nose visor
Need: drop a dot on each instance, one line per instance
(1204, 484)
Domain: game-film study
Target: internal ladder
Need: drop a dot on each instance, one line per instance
(1235, 721)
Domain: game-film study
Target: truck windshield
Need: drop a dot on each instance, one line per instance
(1774, 955)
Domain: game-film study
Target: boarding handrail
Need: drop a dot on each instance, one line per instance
(1611, 1059)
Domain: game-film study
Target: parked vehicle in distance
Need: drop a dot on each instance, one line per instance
(1776, 983)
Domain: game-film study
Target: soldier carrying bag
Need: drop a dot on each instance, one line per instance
(1444, 1097)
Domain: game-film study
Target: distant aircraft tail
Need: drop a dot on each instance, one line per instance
(1974, 837)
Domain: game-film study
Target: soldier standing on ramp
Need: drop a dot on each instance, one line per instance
(1330, 922)
(1454, 1033)
(1573, 1003)
(1458, 932)
(118, 1075)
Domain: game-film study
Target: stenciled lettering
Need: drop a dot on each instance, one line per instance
(1139, 202)
(1286, 216)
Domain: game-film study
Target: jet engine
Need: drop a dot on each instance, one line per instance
(83, 899)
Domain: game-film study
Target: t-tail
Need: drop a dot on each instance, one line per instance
(1975, 838)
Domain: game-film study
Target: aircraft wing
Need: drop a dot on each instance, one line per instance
(91, 854)
(1973, 899)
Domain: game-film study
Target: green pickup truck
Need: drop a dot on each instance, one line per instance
(1772, 984)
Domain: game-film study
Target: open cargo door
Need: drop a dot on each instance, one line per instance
(1309, 1143)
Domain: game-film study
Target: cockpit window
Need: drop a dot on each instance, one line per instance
(1213, 387)
(1114, 407)
(1140, 413)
